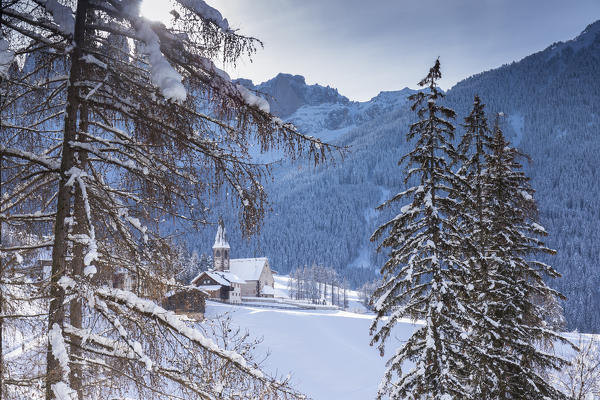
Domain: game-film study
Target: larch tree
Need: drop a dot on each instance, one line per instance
(424, 277)
(116, 123)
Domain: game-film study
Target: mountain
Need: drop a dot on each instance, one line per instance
(321, 110)
(287, 93)
(551, 102)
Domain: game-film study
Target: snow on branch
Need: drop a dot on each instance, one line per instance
(171, 320)
(90, 59)
(247, 96)
(206, 12)
(41, 160)
(164, 76)
(253, 100)
(62, 15)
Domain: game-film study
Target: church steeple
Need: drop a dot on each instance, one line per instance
(221, 249)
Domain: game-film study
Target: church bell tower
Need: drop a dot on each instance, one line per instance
(221, 249)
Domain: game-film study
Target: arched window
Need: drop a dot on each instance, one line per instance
(218, 254)
(226, 253)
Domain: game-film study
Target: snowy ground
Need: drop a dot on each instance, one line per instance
(326, 352)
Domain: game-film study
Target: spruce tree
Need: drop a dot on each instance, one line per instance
(472, 151)
(509, 293)
(424, 277)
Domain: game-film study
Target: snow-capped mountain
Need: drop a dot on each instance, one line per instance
(287, 93)
(321, 110)
(551, 103)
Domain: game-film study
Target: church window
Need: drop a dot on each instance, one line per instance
(218, 253)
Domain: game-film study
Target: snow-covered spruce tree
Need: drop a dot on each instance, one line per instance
(472, 151)
(424, 278)
(131, 123)
(509, 296)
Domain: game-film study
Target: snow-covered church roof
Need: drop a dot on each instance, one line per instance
(248, 269)
(221, 239)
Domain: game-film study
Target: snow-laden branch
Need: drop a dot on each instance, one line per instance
(62, 15)
(44, 161)
(163, 75)
(206, 12)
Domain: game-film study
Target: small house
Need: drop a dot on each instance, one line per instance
(256, 274)
(220, 285)
(187, 300)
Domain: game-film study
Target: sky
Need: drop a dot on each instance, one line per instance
(363, 47)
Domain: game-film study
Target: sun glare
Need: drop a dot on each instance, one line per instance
(156, 10)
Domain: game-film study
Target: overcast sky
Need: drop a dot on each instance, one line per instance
(363, 47)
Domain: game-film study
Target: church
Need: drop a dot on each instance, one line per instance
(231, 279)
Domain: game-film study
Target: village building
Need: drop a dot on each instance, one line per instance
(256, 274)
(189, 300)
(220, 285)
(253, 277)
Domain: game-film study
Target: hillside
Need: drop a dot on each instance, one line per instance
(551, 101)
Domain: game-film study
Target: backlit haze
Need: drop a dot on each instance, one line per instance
(363, 47)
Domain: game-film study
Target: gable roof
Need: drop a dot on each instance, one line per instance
(222, 278)
(248, 269)
(187, 289)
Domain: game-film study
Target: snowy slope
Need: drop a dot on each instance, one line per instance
(330, 121)
(320, 110)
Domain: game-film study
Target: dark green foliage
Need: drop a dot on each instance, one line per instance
(423, 277)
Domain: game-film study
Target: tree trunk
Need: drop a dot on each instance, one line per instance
(77, 265)
(56, 312)
(1, 267)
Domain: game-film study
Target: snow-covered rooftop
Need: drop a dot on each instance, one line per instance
(211, 288)
(190, 288)
(249, 269)
(222, 278)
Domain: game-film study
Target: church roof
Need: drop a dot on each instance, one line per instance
(248, 269)
(221, 238)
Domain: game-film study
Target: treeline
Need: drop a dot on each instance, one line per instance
(319, 285)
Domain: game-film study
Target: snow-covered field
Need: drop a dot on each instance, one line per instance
(326, 352)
